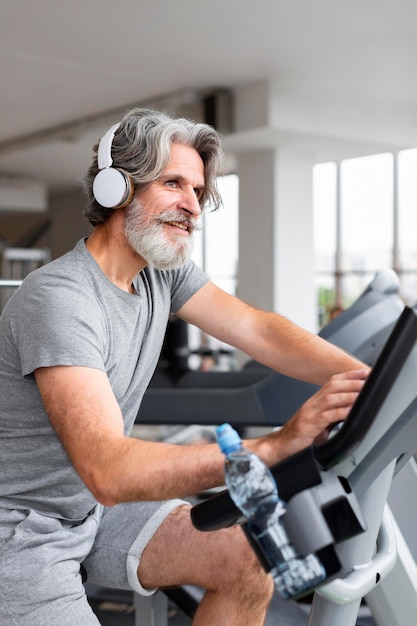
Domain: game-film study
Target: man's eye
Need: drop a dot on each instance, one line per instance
(171, 183)
(198, 193)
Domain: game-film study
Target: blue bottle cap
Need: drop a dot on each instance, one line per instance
(228, 439)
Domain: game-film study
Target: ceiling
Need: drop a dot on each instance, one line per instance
(70, 68)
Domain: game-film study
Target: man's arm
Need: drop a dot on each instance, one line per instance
(267, 337)
(84, 412)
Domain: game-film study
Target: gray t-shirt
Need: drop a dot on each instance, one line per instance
(69, 313)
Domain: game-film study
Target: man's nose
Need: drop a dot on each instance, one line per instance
(190, 202)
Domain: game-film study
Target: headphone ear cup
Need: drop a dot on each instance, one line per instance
(113, 188)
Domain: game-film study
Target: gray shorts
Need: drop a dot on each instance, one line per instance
(40, 559)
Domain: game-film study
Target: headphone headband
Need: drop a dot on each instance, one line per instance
(104, 158)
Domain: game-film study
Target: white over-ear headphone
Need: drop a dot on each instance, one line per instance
(112, 187)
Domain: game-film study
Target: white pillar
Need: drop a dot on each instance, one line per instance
(294, 293)
(276, 256)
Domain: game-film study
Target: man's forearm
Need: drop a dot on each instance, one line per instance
(293, 351)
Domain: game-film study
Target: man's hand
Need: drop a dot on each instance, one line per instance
(316, 417)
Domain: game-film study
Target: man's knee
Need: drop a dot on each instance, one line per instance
(221, 561)
(244, 572)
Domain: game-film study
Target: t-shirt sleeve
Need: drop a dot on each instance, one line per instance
(185, 283)
(59, 327)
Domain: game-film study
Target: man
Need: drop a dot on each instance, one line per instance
(79, 342)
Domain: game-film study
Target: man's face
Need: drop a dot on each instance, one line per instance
(161, 222)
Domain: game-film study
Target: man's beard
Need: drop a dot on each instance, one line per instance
(146, 235)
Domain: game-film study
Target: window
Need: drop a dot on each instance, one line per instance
(217, 247)
(365, 218)
(406, 262)
(366, 221)
(325, 234)
(216, 251)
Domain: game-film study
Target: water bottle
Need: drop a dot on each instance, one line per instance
(253, 489)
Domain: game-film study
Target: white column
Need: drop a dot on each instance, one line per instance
(276, 257)
(294, 293)
(256, 228)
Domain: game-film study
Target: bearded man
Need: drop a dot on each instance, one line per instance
(79, 342)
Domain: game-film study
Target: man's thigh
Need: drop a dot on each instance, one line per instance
(124, 532)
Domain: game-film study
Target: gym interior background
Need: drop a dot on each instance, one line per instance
(316, 102)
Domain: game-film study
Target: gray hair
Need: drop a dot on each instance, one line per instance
(141, 147)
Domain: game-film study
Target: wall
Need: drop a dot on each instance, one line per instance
(68, 223)
(17, 228)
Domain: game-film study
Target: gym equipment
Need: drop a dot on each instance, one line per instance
(336, 493)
